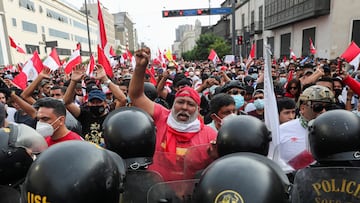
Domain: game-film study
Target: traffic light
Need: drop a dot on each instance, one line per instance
(172, 13)
(203, 11)
(240, 40)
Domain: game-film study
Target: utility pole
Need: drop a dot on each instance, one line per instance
(233, 44)
(87, 25)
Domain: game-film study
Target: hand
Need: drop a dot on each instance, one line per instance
(78, 73)
(142, 57)
(343, 74)
(45, 73)
(100, 73)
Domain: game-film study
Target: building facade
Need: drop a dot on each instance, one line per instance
(40, 25)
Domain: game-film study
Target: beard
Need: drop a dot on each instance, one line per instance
(191, 117)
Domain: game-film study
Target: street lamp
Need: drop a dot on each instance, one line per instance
(87, 26)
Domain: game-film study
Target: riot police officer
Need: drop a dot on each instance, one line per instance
(75, 172)
(130, 132)
(334, 139)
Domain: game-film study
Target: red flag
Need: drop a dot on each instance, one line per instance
(52, 61)
(213, 56)
(30, 71)
(103, 39)
(129, 54)
(112, 52)
(104, 62)
(251, 55)
(312, 47)
(292, 55)
(90, 67)
(151, 73)
(14, 45)
(74, 60)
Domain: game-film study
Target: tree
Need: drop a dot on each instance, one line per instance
(204, 44)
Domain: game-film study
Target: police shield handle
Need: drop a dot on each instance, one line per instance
(301, 160)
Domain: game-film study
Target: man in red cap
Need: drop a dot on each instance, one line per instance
(178, 128)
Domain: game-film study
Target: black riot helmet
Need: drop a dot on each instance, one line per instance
(335, 136)
(243, 133)
(242, 177)
(18, 143)
(130, 132)
(150, 91)
(75, 171)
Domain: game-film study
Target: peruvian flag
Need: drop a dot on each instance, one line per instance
(112, 52)
(52, 61)
(251, 55)
(30, 71)
(103, 39)
(292, 55)
(312, 47)
(102, 59)
(213, 56)
(14, 45)
(90, 67)
(352, 55)
(74, 60)
(151, 73)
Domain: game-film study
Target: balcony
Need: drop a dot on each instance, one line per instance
(280, 13)
(256, 27)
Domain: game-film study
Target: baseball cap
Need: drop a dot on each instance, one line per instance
(97, 94)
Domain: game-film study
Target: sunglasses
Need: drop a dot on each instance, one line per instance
(293, 88)
(318, 107)
(236, 92)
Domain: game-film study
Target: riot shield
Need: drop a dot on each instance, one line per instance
(172, 191)
(183, 165)
(327, 184)
(9, 195)
(137, 184)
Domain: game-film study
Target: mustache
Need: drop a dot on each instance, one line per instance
(183, 112)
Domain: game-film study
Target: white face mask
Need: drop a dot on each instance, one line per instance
(44, 129)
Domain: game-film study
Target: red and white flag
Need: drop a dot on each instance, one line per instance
(312, 47)
(90, 67)
(14, 45)
(102, 59)
(30, 71)
(251, 55)
(213, 56)
(52, 61)
(352, 55)
(74, 60)
(292, 55)
(112, 52)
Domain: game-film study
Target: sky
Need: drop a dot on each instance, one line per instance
(154, 30)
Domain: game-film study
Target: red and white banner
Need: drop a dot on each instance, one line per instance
(90, 67)
(52, 61)
(352, 55)
(102, 59)
(292, 55)
(30, 71)
(213, 56)
(312, 47)
(74, 60)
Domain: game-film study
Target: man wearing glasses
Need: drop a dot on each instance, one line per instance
(314, 101)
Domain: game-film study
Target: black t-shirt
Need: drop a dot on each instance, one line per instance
(91, 126)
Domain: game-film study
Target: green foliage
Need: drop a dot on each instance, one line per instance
(204, 44)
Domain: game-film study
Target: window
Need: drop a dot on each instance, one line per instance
(31, 48)
(56, 16)
(30, 27)
(27, 4)
(58, 33)
(80, 25)
(81, 39)
(285, 45)
(307, 34)
(355, 35)
(13, 22)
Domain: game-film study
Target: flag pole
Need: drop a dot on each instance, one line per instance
(87, 26)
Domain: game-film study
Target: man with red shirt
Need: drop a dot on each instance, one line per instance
(177, 128)
(51, 115)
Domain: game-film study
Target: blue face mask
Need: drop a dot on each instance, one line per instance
(282, 81)
(259, 104)
(254, 76)
(239, 101)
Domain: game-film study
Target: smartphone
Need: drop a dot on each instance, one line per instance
(339, 65)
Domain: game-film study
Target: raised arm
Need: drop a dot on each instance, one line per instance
(136, 87)
(29, 109)
(162, 92)
(115, 89)
(77, 74)
(28, 92)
